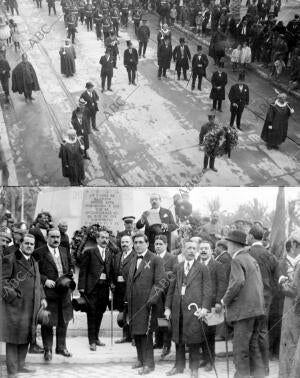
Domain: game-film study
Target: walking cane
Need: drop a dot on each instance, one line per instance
(112, 318)
(226, 344)
(189, 79)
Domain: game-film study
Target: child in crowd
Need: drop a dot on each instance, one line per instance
(173, 14)
(245, 55)
(236, 57)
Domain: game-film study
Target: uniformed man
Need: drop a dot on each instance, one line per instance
(111, 43)
(106, 25)
(51, 5)
(199, 64)
(239, 98)
(125, 12)
(115, 17)
(98, 20)
(136, 16)
(81, 6)
(130, 62)
(89, 15)
(71, 26)
(143, 37)
(129, 226)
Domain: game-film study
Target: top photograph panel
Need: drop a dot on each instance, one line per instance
(149, 92)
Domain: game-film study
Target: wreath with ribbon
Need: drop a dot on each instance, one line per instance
(220, 141)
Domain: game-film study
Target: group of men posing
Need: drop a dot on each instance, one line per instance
(147, 282)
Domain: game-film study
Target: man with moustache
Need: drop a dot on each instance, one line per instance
(128, 224)
(54, 262)
(157, 220)
(95, 279)
(192, 284)
(122, 261)
(22, 296)
(219, 286)
(163, 336)
(144, 287)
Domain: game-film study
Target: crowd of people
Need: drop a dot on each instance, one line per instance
(225, 272)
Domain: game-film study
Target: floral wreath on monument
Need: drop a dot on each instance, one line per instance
(220, 141)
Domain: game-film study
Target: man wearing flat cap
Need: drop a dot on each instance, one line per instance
(239, 98)
(131, 60)
(143, 36)
(91, 97)
(129, 229)
(107, 71)
(181, 56)
(244, 306)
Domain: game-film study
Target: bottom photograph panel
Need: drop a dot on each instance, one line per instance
(160, 281)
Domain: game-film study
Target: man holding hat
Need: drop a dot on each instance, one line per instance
(181, 55)
(55, 262)
(239, 98)
(107, 70)
(129, 226)
(199, 64)
(131, 60)
(143, 36)
(205, 129)
(91, 97)
(244, 305)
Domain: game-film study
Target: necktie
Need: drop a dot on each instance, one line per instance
(188, 267)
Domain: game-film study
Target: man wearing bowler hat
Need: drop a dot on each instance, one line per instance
(131, 60)
(91, 97)
(181, 56)
(107, 69)
(244, 306)
(54, 263)
(199, 64)
(129, 226)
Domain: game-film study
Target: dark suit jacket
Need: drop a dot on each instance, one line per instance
(39, 237)
(218, 281)
(91, 101)
(238, 97)
(198, 290)
(184, 63)
(131, 60)
(225, 259)
(218, 81)
(244, 297)
(11, 249)
(199, 65)
(119, 237)
(144, 287)
(166, 217)
(107, 65)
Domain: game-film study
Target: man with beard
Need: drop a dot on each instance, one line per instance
(199, 64)
(55, 262)
(81, 122)
(131, 60)
(95, 279)
(181, 55)
(40, 230)
(219, 286)
(163, 335)
(143, 290)
(164, 57)
(22, 296)
(67, 59)
(122, 261)
(24, 79)
(91, 97)
(191, 285)
(128, 224)
(157, 220)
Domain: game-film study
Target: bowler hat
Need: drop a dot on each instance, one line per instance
(64, 283)
(237, 236)
(80, 304)
(181, 40)
(121, 319)
(43, 317)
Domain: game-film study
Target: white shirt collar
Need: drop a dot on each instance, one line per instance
(206, 261)
(257, 243)
(156, 210)
(190, 262)
(101, 249)
(52, 250)
(142, 254)
(25, 256)
(162, 255)
(125, 254)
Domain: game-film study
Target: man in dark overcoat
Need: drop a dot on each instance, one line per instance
(181, 55)
(192, 284)
(81, 122)
(143, 35)
(163, 335)
(164, 57)
(239, 98)
(199, 64)
(222, 256)
(107, 71)
(40, 230)
(91, 97)
(131, 60)
(157, 220)
(54, 262)
(219, 286)
(24, 79)
(244, 306)
(218, 83)
(95, 279)
(22, 296)
(143, 288)
(122, 261)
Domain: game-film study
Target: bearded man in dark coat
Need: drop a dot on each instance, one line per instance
(22, 296)
(67, 59)
(192, 284)
(24, 79)
(164, 57)
(143, 289)
(54, 262)
(275, 127)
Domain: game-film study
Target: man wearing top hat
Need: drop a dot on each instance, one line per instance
(239, 98)
(121, 265)
(143, 35)
(95, 280)
(217, 93)
(22, 297)
(129, 229)
(244, 307)
(131, 60)
(181, 55)
(91, 97)
(107, 70)
(164, 57)
(199, 64)
(55, 263)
